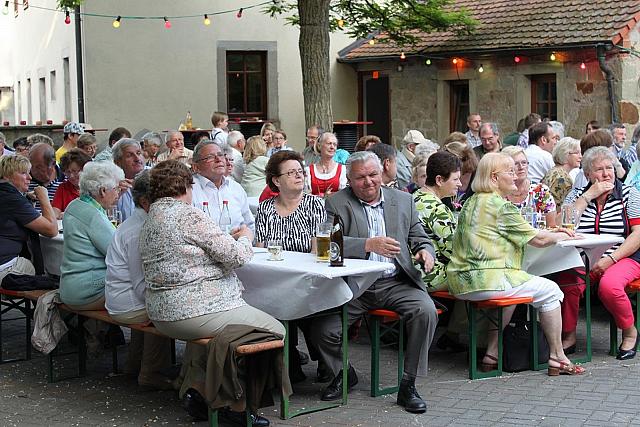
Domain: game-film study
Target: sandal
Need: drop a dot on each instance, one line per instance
(488, 367)
(564, 369)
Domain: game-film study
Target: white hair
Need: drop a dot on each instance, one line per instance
(362, 156)
(563, 148)
(97, 175)
(596, 153)
(557, 128)
(233, 138)
(118, 147)
(426, 148)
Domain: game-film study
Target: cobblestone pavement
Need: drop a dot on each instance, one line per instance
(609, 394)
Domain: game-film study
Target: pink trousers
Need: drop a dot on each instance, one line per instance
(610, 291)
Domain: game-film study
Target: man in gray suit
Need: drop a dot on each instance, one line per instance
(381, 224)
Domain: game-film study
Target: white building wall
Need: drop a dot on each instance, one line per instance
(33, 45)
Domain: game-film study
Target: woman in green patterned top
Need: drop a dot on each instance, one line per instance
(486, 260)
(443, 180)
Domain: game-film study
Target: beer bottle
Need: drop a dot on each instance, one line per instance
(336, 247)
(189, 121)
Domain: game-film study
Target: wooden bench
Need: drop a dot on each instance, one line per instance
(25, 301)
(473, 309)
(633, 290)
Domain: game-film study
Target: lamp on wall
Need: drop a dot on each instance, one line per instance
(5, 9)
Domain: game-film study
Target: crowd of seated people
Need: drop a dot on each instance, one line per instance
(458, 227)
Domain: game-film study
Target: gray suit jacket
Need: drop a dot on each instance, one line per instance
(401, 223)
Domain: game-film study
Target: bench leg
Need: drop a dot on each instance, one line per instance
(213, 418)
(613, 337)
(473, 342)
(28, 316)
(375, 356)
(173, 352)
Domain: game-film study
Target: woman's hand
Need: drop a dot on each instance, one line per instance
(598, 189)
(242, 231)
(601, 266)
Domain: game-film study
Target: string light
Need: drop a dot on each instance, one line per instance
(5, 9)
(481, 69)
(207, 21)
(372, 42)
(402, 55)
(428, 61)
(583, 66)
(552, 56)
(116, 22)
(516, 59)
(340, 22)
(454, 60)
(167, 23)
(239, 14)
(67, 18)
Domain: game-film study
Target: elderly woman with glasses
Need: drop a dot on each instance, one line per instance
(18, 217)
(525, 189)
(486, 258)
(72, 162)
(326, 176)
(87, 235)
(88, 144)
(567, 157)
(606, 205)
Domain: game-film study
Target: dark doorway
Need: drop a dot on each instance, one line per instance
(459, 105)
(375, 106)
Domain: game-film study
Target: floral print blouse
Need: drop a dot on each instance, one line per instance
(559, 182)
(439, 223)
(545, 202)
(189, 262)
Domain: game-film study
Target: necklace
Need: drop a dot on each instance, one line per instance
(325, 169)
(429, 190)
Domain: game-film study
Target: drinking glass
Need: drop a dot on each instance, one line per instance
(323, 235)
(569, 217)
(274, 247)
(115, 216)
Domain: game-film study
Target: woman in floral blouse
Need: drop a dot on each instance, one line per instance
(520, 197)
(443, 180)
(567, 156)
(192, 289)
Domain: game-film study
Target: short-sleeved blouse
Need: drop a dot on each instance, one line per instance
(545, 202)
(296, 229)
(488, 246)
(189, 262)
(559, 183)
(439, 223)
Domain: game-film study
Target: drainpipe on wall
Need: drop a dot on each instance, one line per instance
(608, 73)
(79, 68)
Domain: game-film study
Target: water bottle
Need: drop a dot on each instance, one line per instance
(225, 218)
(205, 209)
(529, 212)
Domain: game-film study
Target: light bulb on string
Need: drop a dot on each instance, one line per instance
(552, 56)
(481, 69)
(67, 18)
(372, 42)
(116, 22)
(5, 9)
(517, 59)
(340, 22)
(207, 21)
(402, 55)
(455, 61)
(583, 66)
(428, 61)
(167, 23)
(239, 14)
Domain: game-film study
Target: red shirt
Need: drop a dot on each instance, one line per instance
(267, 193)
(320, 186)
(65, 193)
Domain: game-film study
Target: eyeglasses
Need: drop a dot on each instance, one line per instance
(279, 138)
(574, 152)
(210, 157)
(510, 173)
(294, 172)
(521, 164)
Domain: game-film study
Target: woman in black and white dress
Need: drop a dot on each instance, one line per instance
(291, 217)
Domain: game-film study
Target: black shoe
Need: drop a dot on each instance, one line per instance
(114, 337)
(334, 390)
(239, 418)
(569, 350)
(195, 405)
(409, 398)
(445, 342)
(304, 357)
(628, 354)
(323, 372)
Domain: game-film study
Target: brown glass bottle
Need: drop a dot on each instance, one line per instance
(336, 247)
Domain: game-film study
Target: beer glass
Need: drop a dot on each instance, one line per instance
(323, 235)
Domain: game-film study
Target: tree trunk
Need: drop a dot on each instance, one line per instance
(314, 59)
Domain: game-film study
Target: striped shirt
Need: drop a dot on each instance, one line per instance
(52, 187)
(377, 228)
(294, 230)
(620, 212)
